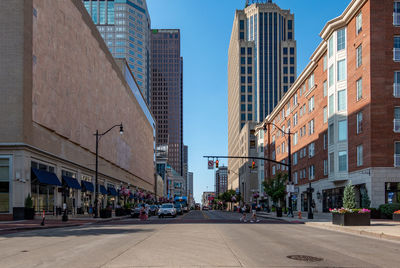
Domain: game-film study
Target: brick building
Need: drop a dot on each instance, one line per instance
(343, 111)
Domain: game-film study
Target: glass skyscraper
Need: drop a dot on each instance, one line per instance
(125, 27)
(261, 67)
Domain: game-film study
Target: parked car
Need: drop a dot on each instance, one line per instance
(179, 209)
(153, 210)
(204, 208)
(167, 210)
(135, 212)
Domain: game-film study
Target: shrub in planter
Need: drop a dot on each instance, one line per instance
(387, 210)
(105, 213)
(119, 212)
(396, 215)
(29, 210)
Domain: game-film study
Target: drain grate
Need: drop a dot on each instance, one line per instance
(304, 258)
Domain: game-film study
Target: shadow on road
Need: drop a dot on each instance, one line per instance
(93, 230)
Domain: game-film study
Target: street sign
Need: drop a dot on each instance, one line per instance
(210, 164)
(290, 188)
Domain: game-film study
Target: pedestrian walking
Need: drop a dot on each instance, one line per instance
(244, 217)
(254, 212)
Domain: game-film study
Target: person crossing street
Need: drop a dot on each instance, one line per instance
(254, 212)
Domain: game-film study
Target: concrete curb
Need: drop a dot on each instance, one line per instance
(344, 229)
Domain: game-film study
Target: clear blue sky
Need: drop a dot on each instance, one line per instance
(205, 33)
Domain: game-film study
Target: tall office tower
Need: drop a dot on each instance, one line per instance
(190, 188)
(261, 68)
(125, 27)
(221, 180)
(166, 79)
(185, 166)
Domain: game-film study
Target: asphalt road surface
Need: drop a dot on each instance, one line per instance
(196, 239)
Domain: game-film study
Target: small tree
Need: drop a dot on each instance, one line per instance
(28, 201)
(349, 197)
(365, 201)
(275, 187)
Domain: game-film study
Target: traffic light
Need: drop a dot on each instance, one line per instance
(216, 163)
(253, 164)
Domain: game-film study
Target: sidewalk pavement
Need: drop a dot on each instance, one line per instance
(26, 225)
(382, 229)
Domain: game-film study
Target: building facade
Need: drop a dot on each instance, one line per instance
(125, 27)
(56, 98)
(175, 184)
(190, 189)
(221, 180)
(207, 198)
(167, 93)
(261, 68)
(343, 112)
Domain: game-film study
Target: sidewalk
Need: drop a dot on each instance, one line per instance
(382, 229)
(25, 225)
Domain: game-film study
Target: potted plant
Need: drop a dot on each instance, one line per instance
(29, 210)
(349, 215)
(396, 215)
(387, 210)
(106, 212)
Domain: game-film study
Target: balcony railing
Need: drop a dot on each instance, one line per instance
(396, 19)
(396, 125)
(396, 90)
(396, 54)
(397, 160)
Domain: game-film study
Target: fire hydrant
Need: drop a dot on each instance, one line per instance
(299, 214)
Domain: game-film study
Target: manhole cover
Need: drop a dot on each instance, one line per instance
(24, 251)
(304, 258)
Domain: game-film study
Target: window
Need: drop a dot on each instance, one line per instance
(243, 117)
(396, 48)
(359, 89)
(242, 98)
(249, 60)
(341, 39)
(342, 161)
(396, 14)
(295, 139)
(243, 79)
(325, 140)
(249, 98)
(249, 70)
(311, 104)
(311, 127)
(295, 120)
(243, 107)
(331, 75)
(325, 167)
(342, 105)
(311, 149)
(359, 155)
(331, 163)
(331, 134)
(241, 22)
(283, 147)
(311, 82)
(325, 114)
(396, 119)
(242, 60)
(249, 79)
(249, 51)
(331, 105)
(242, 51)
(242, 89)
(311, 172)
(397, 154)
(242, 70)
(342, 130)
(295, 158)
(330, 47)
(325, 88)
(325, 63)
(250, 117)
(295, 181)
(249, 107)
(359, 122)
(341, 69)
(295, 100)
(4, 185)
(359, 23)
(359, 55)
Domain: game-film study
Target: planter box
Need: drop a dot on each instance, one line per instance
(396, 217)
(18, 213)
(351, 219)
(119, 212)
(279, 212)
(29, 213)
(105, 213)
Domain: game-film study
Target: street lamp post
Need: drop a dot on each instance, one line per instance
(289, 163)
(98, 136)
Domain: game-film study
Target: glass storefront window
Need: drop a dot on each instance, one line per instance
(392, 192)
(42, 194)
(4, 185)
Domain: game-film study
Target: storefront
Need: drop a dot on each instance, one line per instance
(102, 196)
(332, 198)
(304, 201)
(5, 175)
(87, 194)
(70, 190)
(392, 192)
(112, 195)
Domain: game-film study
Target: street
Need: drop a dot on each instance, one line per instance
(196, 239)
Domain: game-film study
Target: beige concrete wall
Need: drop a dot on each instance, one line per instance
(78, 88)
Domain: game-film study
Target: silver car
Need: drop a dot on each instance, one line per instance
(167, 210)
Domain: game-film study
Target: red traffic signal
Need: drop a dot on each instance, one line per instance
(216, 163)
(253, 164)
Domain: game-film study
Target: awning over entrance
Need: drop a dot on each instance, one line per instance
(103, 190)
(46, 177)
(71, 182)
(88, 186)
(112, 191)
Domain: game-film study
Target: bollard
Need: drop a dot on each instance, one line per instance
(43, 217)
(299, 214)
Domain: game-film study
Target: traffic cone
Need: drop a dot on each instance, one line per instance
(43, 217)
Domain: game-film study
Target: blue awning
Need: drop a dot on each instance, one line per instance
(46, 177)
(103, 189)
(112, 191)
(88, 186)
(71, 182)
